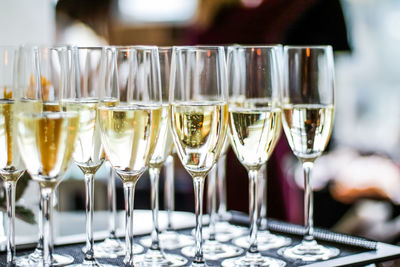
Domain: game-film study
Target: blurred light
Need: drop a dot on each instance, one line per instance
(147, 11)
(251, 3)
(392, 23)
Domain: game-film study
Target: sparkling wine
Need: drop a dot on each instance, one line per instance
(9, 154)
(51, 106)
(199, 130)
(308, 128)
(46, 143)
(163, 145)
(88, 149)
(254, 131)
(127, 135)
(28, 105)
(109, 102)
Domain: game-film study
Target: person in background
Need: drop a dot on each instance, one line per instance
(296, 22)
(83, 23)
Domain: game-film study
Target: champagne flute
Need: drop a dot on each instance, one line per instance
(129, 117)
(45, 138)
(155, 255)
(82, 97)
(30, 100)
(308, 110)
(170, 238)
(198, 109)
(163, 155)
(265, 239)
(254, 116)
(11, 167)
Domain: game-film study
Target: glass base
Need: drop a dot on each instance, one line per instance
(252, 260)
(113, 248)
(309, 251)
(34, 259)
(224, 231)
(157, 258)
(93, 263)
(170, 240)
(265, 241)
(195, 264)
(214, 250)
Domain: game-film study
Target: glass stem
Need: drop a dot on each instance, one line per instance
(154, 178)
(47, 213)
(262, 194)
(38, 254)
(3, 229)
(308, 202)
(253, 193)
(169, 190)
(221, 180)
(198, 184)
(129, 191)
(212, 202)
(10, 199)
(89, 190)
(112, 204)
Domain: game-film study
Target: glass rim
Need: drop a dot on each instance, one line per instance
(49, 48)
(302, 47)
(163, 49)
(86, 47)
(256, 46)
(131, 47)
(32, 46)
(198, 47)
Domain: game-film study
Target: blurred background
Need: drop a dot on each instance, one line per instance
(357, 182)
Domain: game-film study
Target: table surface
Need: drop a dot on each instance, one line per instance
(72, 244)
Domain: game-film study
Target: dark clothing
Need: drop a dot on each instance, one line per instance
(297, 22)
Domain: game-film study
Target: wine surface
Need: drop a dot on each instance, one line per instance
(88, 149)
(127, 136)
(46, 143)
(199, 131)
(308, 129)
(253, 133)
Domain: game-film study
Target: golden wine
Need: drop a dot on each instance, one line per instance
(308, 128)
(253, 133)
(51, 106)
(163, 145)
(10, 162)
(109, 102)
(126, 134)
(46, 143)
(199, 131)
(87, 151)
(28, 105)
